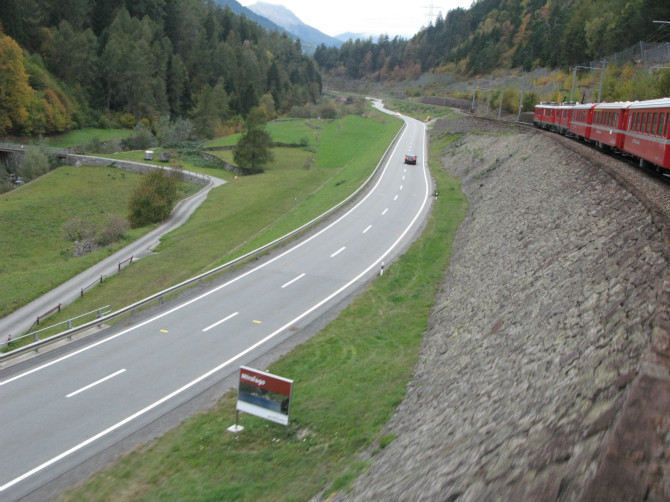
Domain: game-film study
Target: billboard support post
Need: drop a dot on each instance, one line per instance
(236, 427)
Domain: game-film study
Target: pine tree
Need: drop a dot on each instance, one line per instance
(253, 148)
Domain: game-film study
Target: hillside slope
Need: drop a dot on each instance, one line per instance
(531, 382)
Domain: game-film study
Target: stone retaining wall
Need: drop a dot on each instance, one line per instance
(537, 353)
(136, 167)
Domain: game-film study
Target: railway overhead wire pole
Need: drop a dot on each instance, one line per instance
(574, 79)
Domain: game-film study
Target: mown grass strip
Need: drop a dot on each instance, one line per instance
(348, 380)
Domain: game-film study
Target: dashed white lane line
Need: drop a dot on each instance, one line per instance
(293, 280)
(219, 322)
(338, 252)
(384, 211)
(367, 228)
(95, 383)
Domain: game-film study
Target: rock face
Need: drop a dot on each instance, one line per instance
(537, 339)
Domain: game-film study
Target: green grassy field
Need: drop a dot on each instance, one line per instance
(86, 135)
(348, 380)
(236, 218)
(37, 257)
(282, 131)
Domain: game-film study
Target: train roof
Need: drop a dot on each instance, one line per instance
(617, 105)
(585, 106)
(652, 103)
(547, 104)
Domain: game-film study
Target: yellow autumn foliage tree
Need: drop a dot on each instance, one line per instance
(15, 91)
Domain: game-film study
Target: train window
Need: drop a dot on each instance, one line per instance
(661, 124)
(645, 124)
(654, 123)
(667, 120)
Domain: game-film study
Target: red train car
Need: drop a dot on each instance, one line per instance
(545, 115)
(648, 132)
(563, 117)
(581, 121)
(609, 124)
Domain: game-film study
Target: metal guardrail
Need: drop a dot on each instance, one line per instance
(35, 334)
(159, 296)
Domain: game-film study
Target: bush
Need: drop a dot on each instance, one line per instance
(174, 133)
(78, 229)
(140, 139)
(34, 164)
(153, 200)
(113, 229)
(127, 120)
(328, 111)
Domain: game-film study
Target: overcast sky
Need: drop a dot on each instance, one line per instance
(371, 17)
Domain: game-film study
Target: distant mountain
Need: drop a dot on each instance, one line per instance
(354, 36)
(265, 22)
(281, 16)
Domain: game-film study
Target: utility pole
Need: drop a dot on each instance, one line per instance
(602, 78)
(523, 86)
(574, 78)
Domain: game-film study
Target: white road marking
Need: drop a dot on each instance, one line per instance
(384, 211)
(401, 187)
(219, 322)
(367, 228)
(95, 383)
(293, 280)
(396, 197)
(338, 252)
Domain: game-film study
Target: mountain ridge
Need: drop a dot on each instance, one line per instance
(283, 17)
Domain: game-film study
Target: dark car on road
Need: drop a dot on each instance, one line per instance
(410, 159)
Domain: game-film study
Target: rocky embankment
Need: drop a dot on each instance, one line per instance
(544, 370)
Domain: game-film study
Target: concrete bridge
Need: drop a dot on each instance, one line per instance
(7, 149)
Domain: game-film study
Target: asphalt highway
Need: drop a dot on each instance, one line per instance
(57, 413)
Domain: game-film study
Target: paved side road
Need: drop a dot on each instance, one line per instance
(19, 321)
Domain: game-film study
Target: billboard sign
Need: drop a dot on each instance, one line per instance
(264, 395)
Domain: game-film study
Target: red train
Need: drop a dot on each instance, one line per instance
(639, 129)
